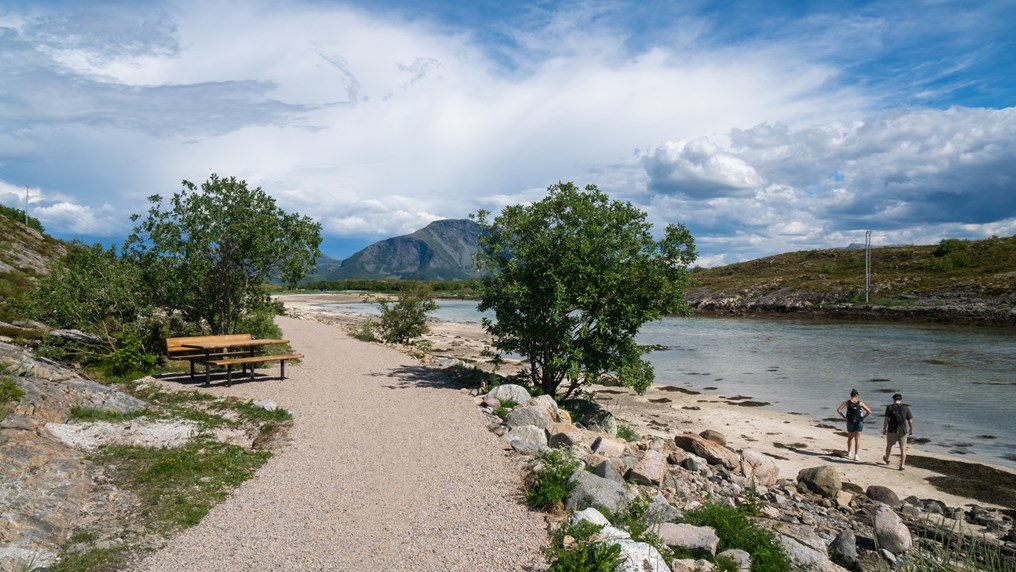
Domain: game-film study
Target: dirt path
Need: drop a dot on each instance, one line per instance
(387, 469)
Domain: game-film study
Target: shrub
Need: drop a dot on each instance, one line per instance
(9, 391)
(627, 432)
(736, 530)
(129, 358)
(405, 318)
(585, 554)
(506, 407)
(550, 484)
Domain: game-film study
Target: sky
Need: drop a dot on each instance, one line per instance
(763, 127)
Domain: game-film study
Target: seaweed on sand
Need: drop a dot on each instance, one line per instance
(970, 480)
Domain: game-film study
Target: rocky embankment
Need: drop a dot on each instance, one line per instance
(786, 302)
(822, 522)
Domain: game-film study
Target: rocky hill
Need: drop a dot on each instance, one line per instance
(956, 281)
(443, 250)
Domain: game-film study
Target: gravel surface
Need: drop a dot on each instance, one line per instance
(388, 468)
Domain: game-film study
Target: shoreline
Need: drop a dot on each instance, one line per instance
(796, 441)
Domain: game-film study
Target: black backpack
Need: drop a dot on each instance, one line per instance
(897, 417)
(853, 412)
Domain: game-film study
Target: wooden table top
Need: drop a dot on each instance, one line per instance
(220, 344)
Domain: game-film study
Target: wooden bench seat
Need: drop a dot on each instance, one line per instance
(244, 361)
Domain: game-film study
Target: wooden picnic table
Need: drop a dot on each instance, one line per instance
(217, 345)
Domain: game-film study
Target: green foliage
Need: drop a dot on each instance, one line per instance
(571, 280)
(93, 560)
(447, 287)
(586, 554)
(627, 432)
(9, 393)
(952, 246)
(736, 530)
(549, 485)
(208, 253)
(129, 358)
(92, 414)
(19, 215)
(406, 318)
(506, 407)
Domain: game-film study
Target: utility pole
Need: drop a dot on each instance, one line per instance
(26, 205)
(867, 264)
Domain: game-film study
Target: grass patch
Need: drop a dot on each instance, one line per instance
(549, 485)
(94, 560)
(92, 414)
(178, 486)
(627, 432)
(575, 549)
(507, 405)
(736, 530)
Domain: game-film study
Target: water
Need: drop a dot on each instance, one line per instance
(959, 382)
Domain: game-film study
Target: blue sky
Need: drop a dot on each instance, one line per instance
(763, 127)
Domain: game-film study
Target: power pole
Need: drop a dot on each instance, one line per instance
(867, 264)
(26, 205)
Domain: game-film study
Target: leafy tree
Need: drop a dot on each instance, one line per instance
(571, 280)
(209, 252)
(406, 318)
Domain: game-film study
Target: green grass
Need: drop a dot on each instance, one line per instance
(627, 432)
(585, 554)
(92, 414)
(93, 560)
(549, 485)
(507, 405)
(736, 530)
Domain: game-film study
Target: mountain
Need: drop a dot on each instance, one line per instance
(25, 254)
(443, 250)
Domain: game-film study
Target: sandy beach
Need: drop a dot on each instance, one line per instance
(796, 441)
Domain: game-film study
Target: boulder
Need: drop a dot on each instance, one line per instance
(699, 540)
(527, 438)
(563, 435)
(593, 416)
(491, 402)
(607, 471)
(609, 446)
(711, 451)
(510, 392)
(822, 480)
(641, 557)
(590, 490)
(588, 515)
(759, 468)
(714, 436)
(843, 549)
(884, 495)
(741, 557)
(807, 557)
(650, 468)
(548, 402)
(689, 565)
(890, 532)
(530, 415)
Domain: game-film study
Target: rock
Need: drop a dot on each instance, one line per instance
(823, 480)
(884, 495)
(890, 532)
(843, 549)
(84, 338)
(548, 402)
(699, 540)
(741, 557)
(689, 565)
(563, 435)
(527, 438)
(591, 490)
(660, 511)
(491, 402)
(607, 471)
(714, 436)
(759, 468)
(588, 515)
(712, 452)
(650, 468)
(641, 557)
(593, 416)
(807, 558)
(266, 404)
(530, 415)
(609, 446)
(510, 392)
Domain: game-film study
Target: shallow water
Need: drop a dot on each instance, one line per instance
(960, 382)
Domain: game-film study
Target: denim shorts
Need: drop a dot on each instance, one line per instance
(855, 427)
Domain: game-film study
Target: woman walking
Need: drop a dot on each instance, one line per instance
(855, 413)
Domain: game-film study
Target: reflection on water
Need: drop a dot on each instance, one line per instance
(960, 382)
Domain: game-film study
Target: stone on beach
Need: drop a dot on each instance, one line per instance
(822, 480)
(890, 532)
(759, 468)
(711, 451)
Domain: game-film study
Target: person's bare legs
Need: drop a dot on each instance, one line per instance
(857, 445)
(851, 438)
(903, 454)
(888, 451)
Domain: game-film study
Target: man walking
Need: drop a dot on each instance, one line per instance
(898, 423)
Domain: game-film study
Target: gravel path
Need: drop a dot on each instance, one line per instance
(387, 469)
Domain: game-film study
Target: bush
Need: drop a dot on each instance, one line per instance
(129, 358)
(550, 484)
(405, 318)
(585, 555)
(9, 391)
(627, 432)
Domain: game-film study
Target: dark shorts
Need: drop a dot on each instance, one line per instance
(855, 427)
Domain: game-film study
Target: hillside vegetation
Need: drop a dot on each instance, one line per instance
(955, 274)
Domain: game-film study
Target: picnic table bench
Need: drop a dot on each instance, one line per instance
(226, 350)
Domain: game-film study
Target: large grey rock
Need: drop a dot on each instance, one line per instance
(741, 557)
(884, 495)
(563, 435)
(822, 480)
(590, 515)
(759, 468)
(510, 391)
(711, 451)
(843, 549)
(607, 471)
(691, 565)
(609, 446)
(699, 540)
(890, 532)
(527, 438)
(593, 491)
(593, 416)
(807, 557)
(650, 468)
(714, 436)
(548, 402)
(641, 557)
(530, 415)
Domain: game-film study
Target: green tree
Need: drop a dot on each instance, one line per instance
(405, 318)
(208, 254)
(572, 278)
